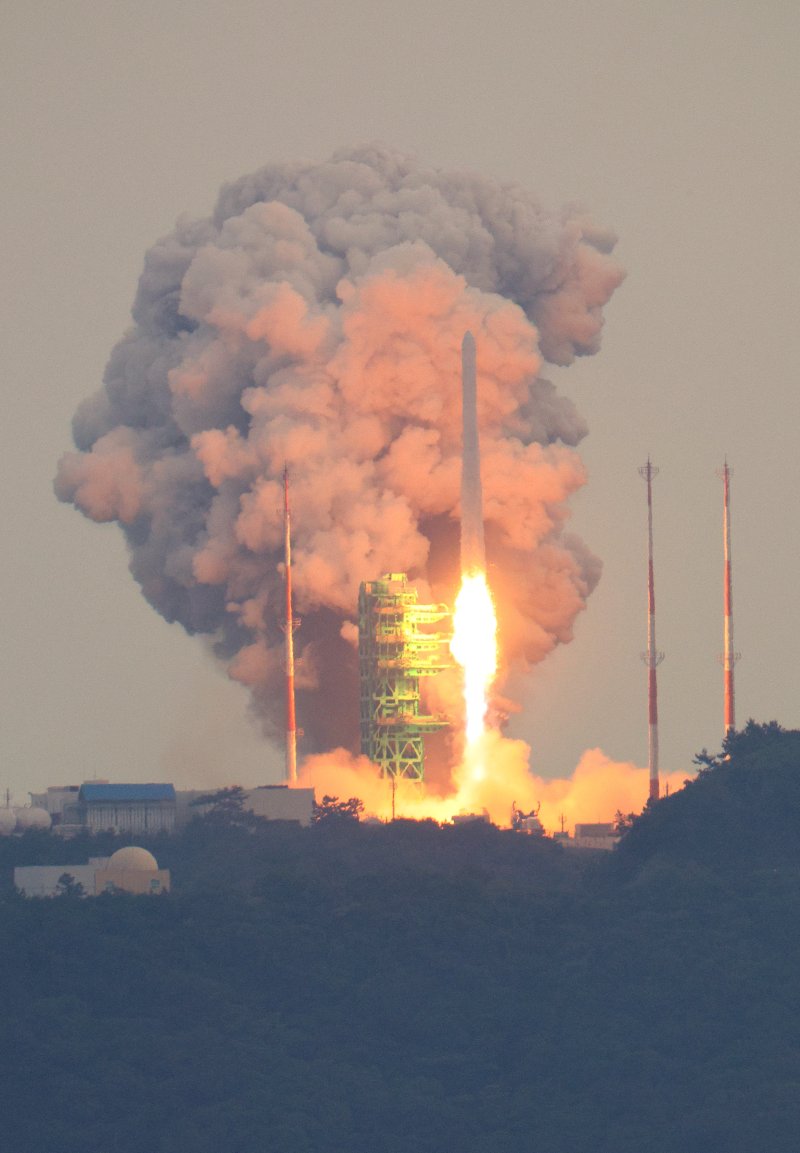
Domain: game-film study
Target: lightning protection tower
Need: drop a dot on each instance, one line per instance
(394, 653)
(289, 625)
(652, 658)
(729, 657)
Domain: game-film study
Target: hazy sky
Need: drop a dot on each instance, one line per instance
(675, 124)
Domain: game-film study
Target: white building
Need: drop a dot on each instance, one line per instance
(129, 870)
(55, 800)
(42, 880)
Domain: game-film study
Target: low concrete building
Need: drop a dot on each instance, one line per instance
(273, 802)
(280, 803)
(129, 870)
(595, 836)
(471, 818)
(43, 880)
(56, 800)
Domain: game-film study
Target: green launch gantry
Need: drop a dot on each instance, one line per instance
(393, 654)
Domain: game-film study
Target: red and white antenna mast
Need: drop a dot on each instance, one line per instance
(729, 657)
(289, 627)
(652, 658)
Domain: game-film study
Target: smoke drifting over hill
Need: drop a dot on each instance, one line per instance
(316, 319)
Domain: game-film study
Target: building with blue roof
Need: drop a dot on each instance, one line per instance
(99, 806)
(146, 808)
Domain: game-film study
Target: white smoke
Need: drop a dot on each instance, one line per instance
(315, 320)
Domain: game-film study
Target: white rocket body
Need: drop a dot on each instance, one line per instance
(473, 551)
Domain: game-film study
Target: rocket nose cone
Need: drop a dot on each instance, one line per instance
(468, 344)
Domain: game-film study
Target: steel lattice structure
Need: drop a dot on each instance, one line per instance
(729, 655)
(394, 653)
(652, 658)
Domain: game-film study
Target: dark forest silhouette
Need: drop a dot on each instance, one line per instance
(407, 987)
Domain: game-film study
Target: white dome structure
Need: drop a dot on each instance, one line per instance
(32, 818)
(133, 858)
(8, 821)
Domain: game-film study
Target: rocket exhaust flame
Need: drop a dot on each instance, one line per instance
(474, 646)
(474, 643)
(594, 792)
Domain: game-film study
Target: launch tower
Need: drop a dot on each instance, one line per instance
(289, 625)
(652, 658)
(729, 655)
(394, 653)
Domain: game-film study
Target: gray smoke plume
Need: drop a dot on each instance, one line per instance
(315, 319)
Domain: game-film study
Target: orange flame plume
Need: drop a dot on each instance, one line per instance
(474, 646)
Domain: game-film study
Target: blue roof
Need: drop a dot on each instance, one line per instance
(94, 791)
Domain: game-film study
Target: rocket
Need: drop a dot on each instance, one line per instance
(473, 552)
(289, 626)
(652, 658)
(729, 657)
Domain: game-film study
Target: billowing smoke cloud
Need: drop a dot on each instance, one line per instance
(316, 320)
(597, 789)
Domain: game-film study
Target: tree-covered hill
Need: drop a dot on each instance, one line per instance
(408, 988)
(742, 809)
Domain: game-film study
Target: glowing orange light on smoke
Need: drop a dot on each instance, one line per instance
(474, 646)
